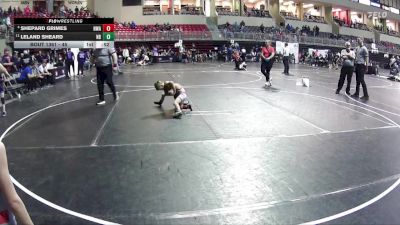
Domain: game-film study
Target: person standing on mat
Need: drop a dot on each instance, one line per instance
(69, 61)
(106, 61)
(286, 57)
(267, 61)
(82, 57)
(347, 70)
(361, 64)
(194, 52)
(11, 206)
(3, 75)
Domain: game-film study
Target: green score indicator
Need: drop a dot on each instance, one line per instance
(109, 36)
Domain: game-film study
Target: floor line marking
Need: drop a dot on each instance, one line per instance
(266, 205)
(321, 97)
(322, 130)
(62, 209)
(100, 131)
(346, 107)
(202, 141)
(93, 219)
(382, 110)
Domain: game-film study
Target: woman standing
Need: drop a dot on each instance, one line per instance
(267, 61)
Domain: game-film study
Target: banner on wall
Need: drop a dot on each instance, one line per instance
(294, 49)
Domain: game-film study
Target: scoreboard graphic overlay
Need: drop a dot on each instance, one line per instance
(56, 33)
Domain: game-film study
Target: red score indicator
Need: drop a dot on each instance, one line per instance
(108, 27)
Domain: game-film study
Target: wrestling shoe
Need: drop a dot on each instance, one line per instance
(364, 98)
(101, 103)
(116, 98)
(354, 96)
(177, 115)
(4, 113)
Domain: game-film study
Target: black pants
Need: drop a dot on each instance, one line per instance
(68, 64)
(105, 74)
(266, 68)
(30, 83)
(346, 71)
(286, 64)
(80, 67)
(51, 79)
(360, 71)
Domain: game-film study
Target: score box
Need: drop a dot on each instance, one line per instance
(108, 27)
(108, 36)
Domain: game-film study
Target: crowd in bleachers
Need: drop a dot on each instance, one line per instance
(253, 12)
(289, 15)
(388, 30)
(43, 13)
(304, 31)
(339, 21)
(132, 27)
(146, 54)
(353, 24)
(226, 11)
(315, 19)
(191, 10)
(147, 28)
(35, 70)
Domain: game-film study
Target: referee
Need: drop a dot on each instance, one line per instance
(361, 65)
(106, 62)
(286, 58)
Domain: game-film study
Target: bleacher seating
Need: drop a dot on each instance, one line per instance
(339, 21)
(289, 15)
(161, 45)
(315, 19)
(151, 32)
(257, 13)
(191, 10)
(226, 11)
(359, 26)
(181, 27)
(151, 10)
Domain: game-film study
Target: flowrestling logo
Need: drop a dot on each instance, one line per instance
(379, 15)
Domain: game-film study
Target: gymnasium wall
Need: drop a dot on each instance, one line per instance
(109, 8)
(356, 32)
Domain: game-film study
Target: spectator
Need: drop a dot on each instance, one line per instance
(44, 71)
(27, 78)
(27, 10)
(82, 57)
(242, 24)
(133, 25)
